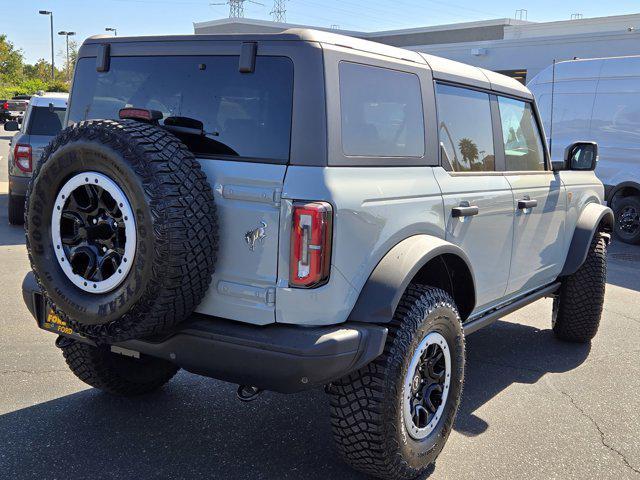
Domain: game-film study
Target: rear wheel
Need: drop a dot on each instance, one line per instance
(115, 373)
(16, 209)
(627, 213)
(392, 418)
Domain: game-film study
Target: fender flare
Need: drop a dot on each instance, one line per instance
(591, 217)
(387, 283)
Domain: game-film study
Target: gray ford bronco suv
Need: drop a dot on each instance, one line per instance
(302, 209)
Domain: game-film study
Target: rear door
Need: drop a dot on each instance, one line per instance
(539, 222)
(478, 202)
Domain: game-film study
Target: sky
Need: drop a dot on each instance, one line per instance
(28, 30)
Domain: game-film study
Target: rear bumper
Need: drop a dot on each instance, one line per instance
(18, 185)
(282, 358)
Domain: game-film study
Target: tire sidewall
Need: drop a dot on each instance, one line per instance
(419, 453)
(70, 159)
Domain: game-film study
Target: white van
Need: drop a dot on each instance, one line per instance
(599, 99)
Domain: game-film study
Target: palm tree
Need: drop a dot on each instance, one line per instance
(469, 151)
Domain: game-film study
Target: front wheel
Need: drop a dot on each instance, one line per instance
(115, 373)
(578, 307)
(392, 418)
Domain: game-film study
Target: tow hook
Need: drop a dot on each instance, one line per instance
(63, 342)
(247, 393)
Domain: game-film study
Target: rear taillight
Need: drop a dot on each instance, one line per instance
(22, 157)
(5, 106)
(310, 244)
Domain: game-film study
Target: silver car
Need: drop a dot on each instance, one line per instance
(43, 120)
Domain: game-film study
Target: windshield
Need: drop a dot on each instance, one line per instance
(242, 114)
(46, 121)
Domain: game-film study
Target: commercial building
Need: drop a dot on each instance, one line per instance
(518, 48)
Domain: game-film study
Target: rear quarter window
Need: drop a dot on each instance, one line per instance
(244, 115)
(381, 112)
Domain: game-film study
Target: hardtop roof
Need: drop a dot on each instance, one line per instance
(442, 68)
(58, 99)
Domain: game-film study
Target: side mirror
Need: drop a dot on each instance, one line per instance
(581, 156)
(11, 126)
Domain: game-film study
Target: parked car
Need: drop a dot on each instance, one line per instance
(16, 107)
(4, 111)
(303, 209)
(43, 121)
(599, 99)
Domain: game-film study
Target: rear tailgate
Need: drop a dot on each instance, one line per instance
(248, 202)
(242, 124)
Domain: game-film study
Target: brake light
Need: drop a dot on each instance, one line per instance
(5, 106)
(310, 244)
(140, 114)
(22, 157)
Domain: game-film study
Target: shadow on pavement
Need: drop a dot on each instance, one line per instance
(623, 264)
(195, 428)
(508, 353)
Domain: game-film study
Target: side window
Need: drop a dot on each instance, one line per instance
(523, 148)
(381, 112)
(464, 129)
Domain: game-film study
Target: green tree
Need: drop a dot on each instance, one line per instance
(11, 61)
(41, 70)
(67, 69)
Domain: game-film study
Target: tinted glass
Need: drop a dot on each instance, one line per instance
(464, 128)
(381, 112)
(46, 121)
(243, 114)
(523, 148)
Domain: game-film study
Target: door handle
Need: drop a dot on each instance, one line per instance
(464, 211)
(526, 203)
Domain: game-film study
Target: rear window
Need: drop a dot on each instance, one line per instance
(381, 112)
(243, 114)
(46, 121)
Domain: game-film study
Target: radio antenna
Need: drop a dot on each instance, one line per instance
(553, 88)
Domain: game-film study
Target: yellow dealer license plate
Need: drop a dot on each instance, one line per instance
(55, 324)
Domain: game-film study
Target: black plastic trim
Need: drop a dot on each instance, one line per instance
(387, 283)
(282, 358)
(18, 185)
(494, 315)
(591, 217)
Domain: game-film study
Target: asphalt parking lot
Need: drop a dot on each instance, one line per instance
(533, 407)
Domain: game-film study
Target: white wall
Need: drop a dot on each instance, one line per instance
(535, 54)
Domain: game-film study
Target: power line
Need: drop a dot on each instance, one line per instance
(279, 11)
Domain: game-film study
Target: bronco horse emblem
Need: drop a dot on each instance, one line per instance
(256, 235)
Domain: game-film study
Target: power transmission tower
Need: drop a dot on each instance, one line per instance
(279, 11)
(236, 7)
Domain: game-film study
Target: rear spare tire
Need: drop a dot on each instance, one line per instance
(121, 229)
